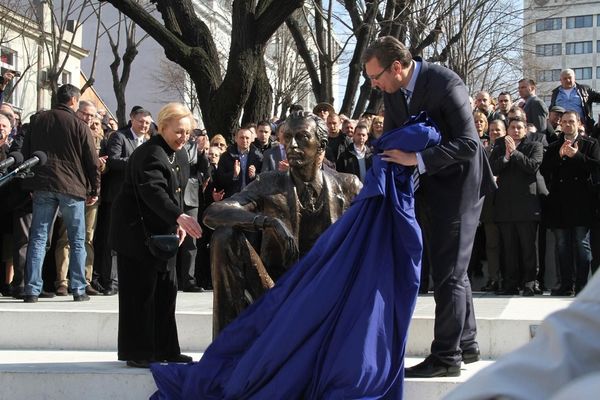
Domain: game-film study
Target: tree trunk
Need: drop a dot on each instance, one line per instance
(259, 104)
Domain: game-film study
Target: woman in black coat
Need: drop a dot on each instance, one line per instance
(151, 203)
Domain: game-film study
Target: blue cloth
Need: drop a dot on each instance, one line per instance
(335, 326)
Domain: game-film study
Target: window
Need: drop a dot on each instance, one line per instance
(548, 24)
(583, 73)
(598, 20)
(597, 72)
(598, 45)
(544, 50)
(65, 77)
(578, 47)
(549, 75)
(582, 21)
(8, 60)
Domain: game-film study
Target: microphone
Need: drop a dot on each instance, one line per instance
(13, 158)
(37, 157)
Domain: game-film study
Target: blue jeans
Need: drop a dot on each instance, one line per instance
(72, 209)
(574, 256)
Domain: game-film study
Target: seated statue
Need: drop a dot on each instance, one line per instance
(290, 209)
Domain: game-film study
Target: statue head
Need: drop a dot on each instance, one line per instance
(305, 139)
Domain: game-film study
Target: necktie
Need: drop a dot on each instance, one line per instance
(415, 174)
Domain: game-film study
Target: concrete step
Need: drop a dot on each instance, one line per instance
(504, 323)
(66, 375)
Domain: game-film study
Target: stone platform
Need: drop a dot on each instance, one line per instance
(59, 349)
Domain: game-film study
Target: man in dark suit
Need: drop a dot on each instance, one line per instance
(454, 177)
(119, 147)
(239, 164)
(290, 209)
(274, 159)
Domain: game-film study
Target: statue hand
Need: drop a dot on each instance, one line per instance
(285, 237)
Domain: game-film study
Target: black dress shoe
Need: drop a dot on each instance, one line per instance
(471, 355)
(563, 291)
(90, 291)
(490, 286)
(193, 289)
(528, 292)
(110, 292)
(81, 297)
(46, 295)
(139, 363)
(179, 358)
(30, 298)
(431, 367)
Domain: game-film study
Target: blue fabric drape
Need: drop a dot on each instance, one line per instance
(335, 326)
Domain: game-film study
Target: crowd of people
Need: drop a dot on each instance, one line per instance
(545, 161)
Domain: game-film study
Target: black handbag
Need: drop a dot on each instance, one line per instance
(163, 247)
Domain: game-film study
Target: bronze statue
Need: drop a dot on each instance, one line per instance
(290, 209)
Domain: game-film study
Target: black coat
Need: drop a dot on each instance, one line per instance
(517, 197)
(158, 185)
(348, 162)
(224, 176)
(571, 202)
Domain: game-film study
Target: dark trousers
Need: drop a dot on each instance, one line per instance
(595, 247)
(518, 239)
(574, 256)
(104, 274)
(493, 251)
(186, 257)
(147, 297)
(21, 223)
(451, 239)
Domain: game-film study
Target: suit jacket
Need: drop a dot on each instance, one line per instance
(198, 170)
(458, 173)
(536, 112)
(224, 176)
(571, 202)
(273, 194)
(271, 158)
(517, 197)
(158, 185)
(119, 146)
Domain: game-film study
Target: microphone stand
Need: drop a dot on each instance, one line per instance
(15, 174)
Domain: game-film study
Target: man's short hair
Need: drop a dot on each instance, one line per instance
(572, 112)
(140, 112)
(264, 123)
(361, 125)
(66, 92)
(85, 103)
(386, 50)
(567, 71)
(517, 118)
(529, 81)
(505, 94)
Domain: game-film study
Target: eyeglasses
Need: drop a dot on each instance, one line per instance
(376, 77)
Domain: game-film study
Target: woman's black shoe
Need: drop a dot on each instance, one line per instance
(139, 363)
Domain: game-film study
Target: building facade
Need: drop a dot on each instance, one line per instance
(561, 34)
(22, 49)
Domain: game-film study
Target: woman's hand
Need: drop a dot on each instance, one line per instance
(190, 225)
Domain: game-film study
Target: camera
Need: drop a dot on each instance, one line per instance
(15, 73)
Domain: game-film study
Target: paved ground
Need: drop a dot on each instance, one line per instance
(486, 305)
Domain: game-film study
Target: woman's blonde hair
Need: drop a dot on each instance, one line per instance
(218, 136)
(173, 112)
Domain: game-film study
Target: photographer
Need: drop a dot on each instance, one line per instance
(5, 80)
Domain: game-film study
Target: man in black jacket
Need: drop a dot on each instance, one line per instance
(357, 157)
(63, 183)
(570, 164)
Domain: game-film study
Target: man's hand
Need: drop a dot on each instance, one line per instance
(91, 200)
(102, 163)
(568, 149)
(181, 233)
(236, 168)
(251, 172)
(190, 225)
(283, 166)
(218, 196)
(510, 145)
(285, 237)
(400, 157)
